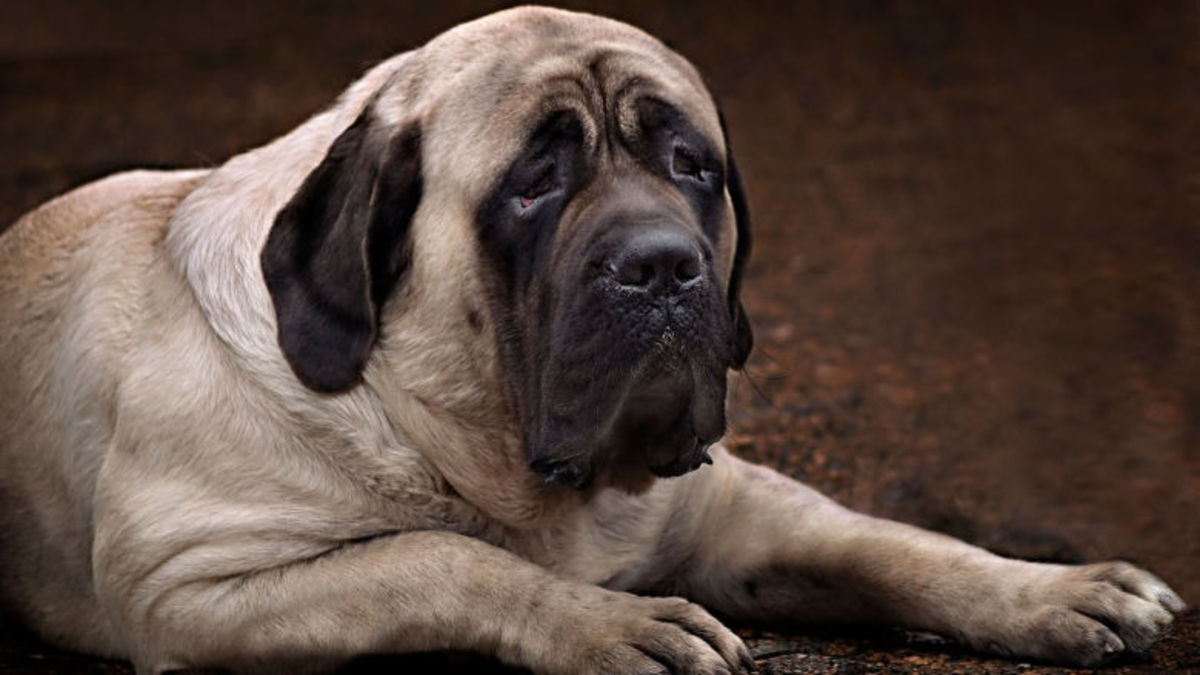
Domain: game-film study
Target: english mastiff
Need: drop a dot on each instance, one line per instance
(445, 368)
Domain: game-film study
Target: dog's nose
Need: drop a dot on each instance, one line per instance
(657, 259)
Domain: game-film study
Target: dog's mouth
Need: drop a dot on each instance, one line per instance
(660, 420)
(667, 413)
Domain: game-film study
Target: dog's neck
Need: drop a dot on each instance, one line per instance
(467, 435)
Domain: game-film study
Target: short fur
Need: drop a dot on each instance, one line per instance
(349, 393)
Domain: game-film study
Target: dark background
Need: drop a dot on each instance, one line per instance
(976, 276)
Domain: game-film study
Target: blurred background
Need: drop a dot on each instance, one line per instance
(976, 275)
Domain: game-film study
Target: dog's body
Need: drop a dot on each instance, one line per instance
(434, 371)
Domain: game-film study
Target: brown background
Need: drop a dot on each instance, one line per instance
(976, 282)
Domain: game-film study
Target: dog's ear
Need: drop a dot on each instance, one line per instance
(340, 247)
(743, 339)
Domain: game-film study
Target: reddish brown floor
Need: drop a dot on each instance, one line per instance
(976, 282)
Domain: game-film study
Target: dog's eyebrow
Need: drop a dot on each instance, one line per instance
(558, 124)
(647, 117)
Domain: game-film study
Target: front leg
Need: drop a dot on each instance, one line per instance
(410, 592)
(775, 550)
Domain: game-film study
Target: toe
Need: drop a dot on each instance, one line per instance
(1138, 622)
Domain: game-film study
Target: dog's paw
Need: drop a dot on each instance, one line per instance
(602, 631)
(1081, 615)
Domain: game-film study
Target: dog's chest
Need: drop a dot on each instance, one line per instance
(615, 540)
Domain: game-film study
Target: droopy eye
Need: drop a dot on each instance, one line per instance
(545, 182)
(685, 163)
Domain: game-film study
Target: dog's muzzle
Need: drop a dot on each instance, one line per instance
(653, 333)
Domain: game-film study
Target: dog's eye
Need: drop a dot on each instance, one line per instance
(685, 163)
(543, 185)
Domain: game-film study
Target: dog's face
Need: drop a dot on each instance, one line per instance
(598, 207)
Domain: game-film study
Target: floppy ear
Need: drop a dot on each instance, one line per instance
(339, 247)
(743, 340)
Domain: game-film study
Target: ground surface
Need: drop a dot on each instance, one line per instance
(976, 281)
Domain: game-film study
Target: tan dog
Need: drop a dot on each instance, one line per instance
(434, 371)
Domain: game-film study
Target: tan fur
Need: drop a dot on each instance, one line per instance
(172, 494)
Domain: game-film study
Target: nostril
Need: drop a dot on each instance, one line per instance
(688, 269)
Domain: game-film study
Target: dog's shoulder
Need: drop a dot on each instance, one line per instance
(74, 244)
(68, 228)
(62, 219)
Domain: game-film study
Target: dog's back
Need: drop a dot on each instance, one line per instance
(72, 274)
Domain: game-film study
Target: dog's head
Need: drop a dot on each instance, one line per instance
(561, 186)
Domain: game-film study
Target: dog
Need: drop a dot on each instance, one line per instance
(445, 368)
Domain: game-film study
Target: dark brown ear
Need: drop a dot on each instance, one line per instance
(743, 334)
(339, 248)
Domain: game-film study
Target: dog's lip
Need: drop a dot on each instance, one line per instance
(678, 446)
(666, 450)
(661, 423)
(571, 472)
(577, 472)
(685, 462)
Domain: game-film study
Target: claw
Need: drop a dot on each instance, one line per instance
(747, 661)
(1171, 601)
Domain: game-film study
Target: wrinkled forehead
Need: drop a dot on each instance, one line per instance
(486, 90)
